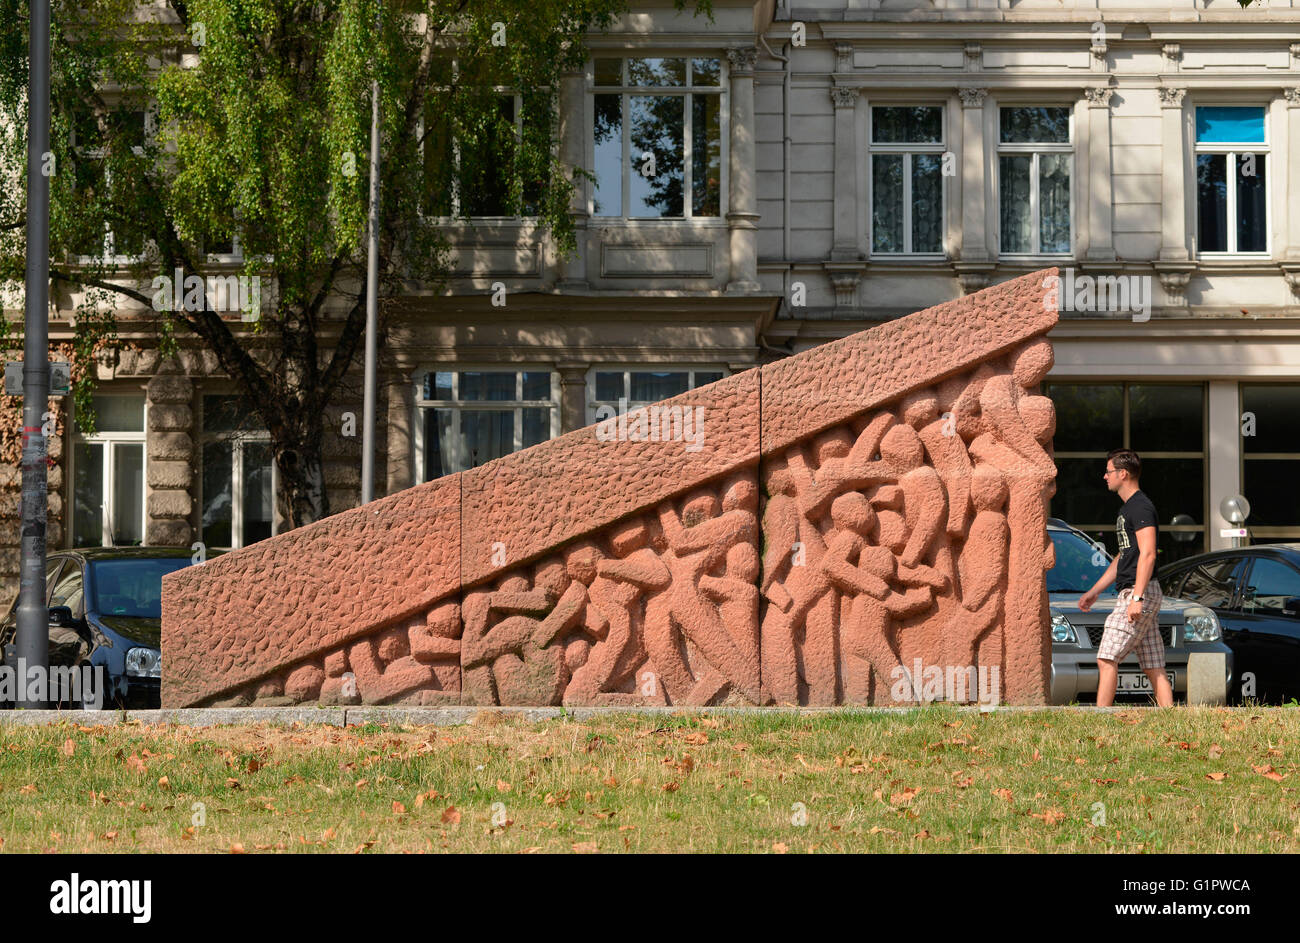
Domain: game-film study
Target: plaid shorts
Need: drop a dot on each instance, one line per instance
(1143, 636)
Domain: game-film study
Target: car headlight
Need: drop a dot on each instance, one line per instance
(1062, 631)
(1202, 625)
(144, 663)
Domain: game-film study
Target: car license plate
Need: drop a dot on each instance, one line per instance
(1138, 681)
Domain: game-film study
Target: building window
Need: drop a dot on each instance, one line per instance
(1165, 424)
(1231, 180)
(469, 417)
(238, 481)
(108, 508)
(1270, 460)
(658, 138)
(475, 168)
(102, 152)
(1035, 153)
(907, 180)
(622, 389)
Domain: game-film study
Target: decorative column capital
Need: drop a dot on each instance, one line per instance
(1171, 97)
(843, 57)
(972, 97)
(844, 97)
(742, 59)
(1292, 96)
(1098, 97)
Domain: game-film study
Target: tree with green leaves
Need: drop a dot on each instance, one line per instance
(181, 127)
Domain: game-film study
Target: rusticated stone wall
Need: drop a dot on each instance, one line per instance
(801, 533)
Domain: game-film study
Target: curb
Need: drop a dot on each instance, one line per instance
(458, 716)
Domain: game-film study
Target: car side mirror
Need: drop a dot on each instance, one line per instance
(1291, 607)
(61, 616)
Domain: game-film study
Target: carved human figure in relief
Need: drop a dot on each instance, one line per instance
(681, 605)
(866, 573)
(501, 662)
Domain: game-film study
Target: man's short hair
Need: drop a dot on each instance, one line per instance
(1125, 460)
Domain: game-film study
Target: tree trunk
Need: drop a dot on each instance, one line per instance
(301, 466)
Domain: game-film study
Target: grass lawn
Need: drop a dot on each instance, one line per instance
(936, 779)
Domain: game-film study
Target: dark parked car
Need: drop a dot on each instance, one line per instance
(1186, 627)
(1255, 593)
(105, 608)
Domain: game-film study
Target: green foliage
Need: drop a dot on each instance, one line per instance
(260, 115)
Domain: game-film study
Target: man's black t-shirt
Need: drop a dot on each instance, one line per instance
(1136, 513)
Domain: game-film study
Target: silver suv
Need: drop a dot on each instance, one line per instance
(1187, 627)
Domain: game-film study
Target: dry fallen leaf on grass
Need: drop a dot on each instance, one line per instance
(904, 797)
(1268, 772)
(135, 764)
(1049, 816)
(422, 797)
(586, 847)
(671, 787)
(398, 808)
(164, 783)
(610, 781)
(28, 789)
(69, 747)
(1003, 793)
(451, 815)
(779, 847)
(696, 738)
(1217, 777)
(237, 849)
(503, 786)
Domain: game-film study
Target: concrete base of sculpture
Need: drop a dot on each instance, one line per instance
(863, 523)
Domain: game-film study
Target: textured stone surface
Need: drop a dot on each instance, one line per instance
(164, 417)
(170, 475)
(578, 482)
(164, 504)
(900, 492)
(247, 614)
(176, 446)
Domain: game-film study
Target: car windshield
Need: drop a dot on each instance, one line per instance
(1079, 563)
(132, 587)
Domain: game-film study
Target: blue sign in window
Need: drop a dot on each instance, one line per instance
(1229, 125)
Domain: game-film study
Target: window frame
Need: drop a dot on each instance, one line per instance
(455, 196)
(907, 150)
(109, 440)
(1232, 150)
(418, 443)
(1100, 456)
(1271, 532)
(237, 440)
(722, 90)
(593, 404)
(1036, 149)
(109, 256)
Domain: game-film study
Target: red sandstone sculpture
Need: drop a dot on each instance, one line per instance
(841, 516)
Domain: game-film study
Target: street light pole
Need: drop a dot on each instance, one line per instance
(372, 311)
(32, 646)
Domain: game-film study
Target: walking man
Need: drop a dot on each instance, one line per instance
(1134, 624)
